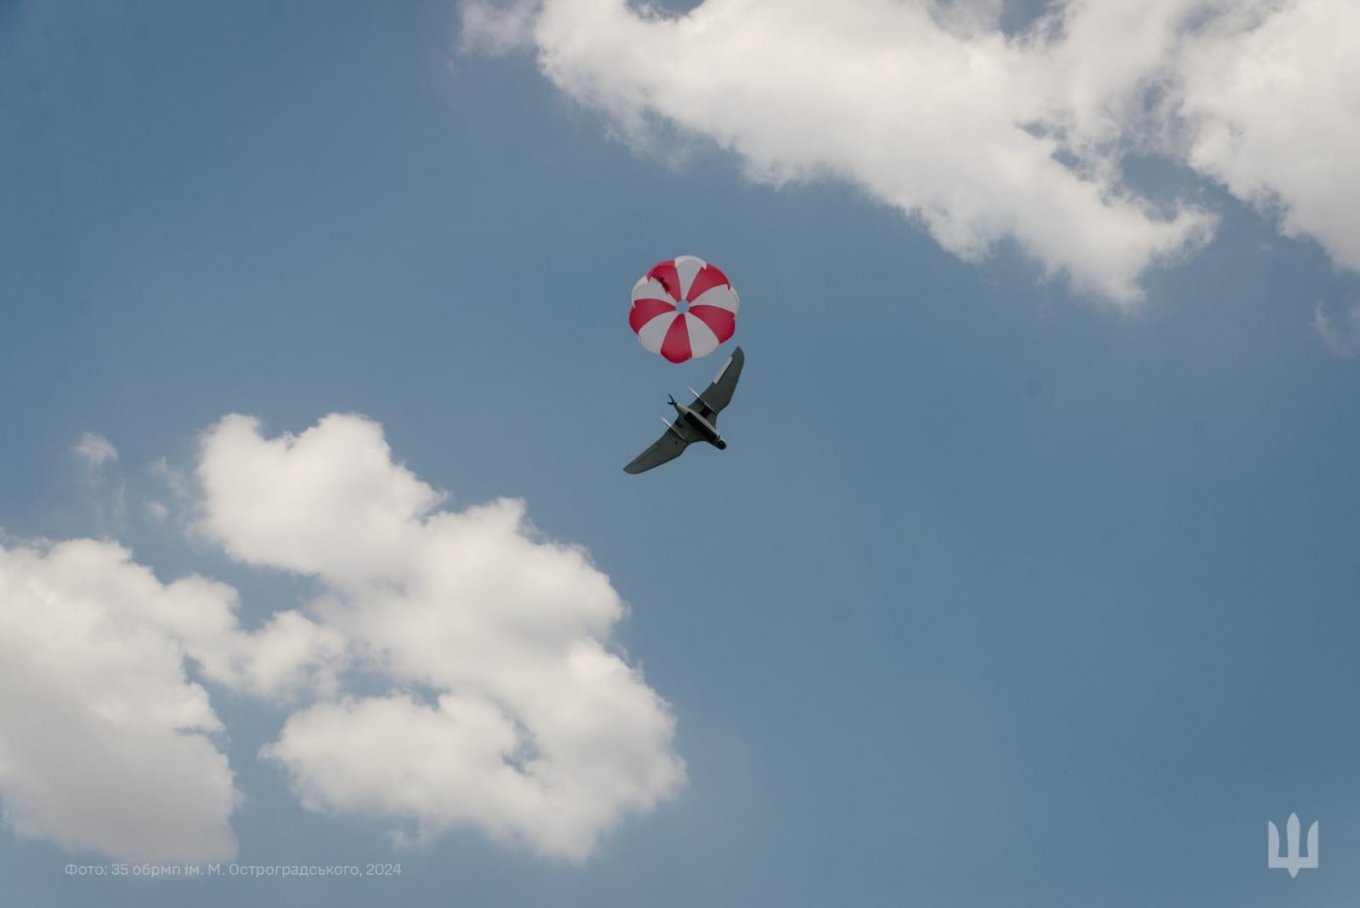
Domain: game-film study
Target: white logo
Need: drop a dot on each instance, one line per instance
(1291, 860)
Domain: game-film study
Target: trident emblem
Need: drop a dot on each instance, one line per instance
(1291, 860)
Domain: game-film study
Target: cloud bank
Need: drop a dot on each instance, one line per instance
(509, 711)
(982, 136)
(503, 704)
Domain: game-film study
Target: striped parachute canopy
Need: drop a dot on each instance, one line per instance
(683, 309)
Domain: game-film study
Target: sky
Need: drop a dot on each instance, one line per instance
(1028, 576)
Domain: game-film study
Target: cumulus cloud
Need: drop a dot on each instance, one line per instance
(1271, 94)
(508, 712)
(503, 704)
(105, 743)
(981, 136)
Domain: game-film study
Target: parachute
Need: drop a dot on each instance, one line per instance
(683, 308)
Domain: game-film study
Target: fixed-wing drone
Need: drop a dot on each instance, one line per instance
(696, 422)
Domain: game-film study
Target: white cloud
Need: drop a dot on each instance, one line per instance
(932, 109)
(329, 501)
(537, 733)
(1272, 96)
(105, 744)
(506, 708)
(95, 450)
(1339, 332)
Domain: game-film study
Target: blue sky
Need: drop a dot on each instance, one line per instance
(1006, 592)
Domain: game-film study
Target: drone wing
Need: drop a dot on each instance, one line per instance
(668, 447)
(719, 394)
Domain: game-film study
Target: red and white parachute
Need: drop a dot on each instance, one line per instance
(683, 308)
